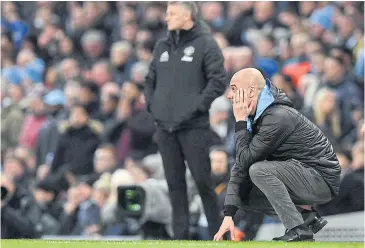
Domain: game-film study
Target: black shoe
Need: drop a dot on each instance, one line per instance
(279, 238)
(314, 221)
(297, 234)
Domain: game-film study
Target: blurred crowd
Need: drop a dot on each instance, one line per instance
(74, 126)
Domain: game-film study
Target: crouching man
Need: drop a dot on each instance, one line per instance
(284, 163)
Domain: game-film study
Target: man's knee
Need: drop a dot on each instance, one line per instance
(259, 170)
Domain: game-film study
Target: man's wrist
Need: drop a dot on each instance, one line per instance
(240, 125)
(230, 210)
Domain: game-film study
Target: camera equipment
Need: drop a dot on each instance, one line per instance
(131, 200)
(149, 204)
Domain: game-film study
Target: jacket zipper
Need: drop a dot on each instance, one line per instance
(171, 128)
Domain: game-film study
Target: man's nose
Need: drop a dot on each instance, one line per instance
(230, 95)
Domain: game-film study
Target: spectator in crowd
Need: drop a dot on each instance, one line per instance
(93, 45)
(109, 104)
(153, 20)
(285, 83)
(73, 220)
(307, 88)
(69, 70)
(105, 161)
(67, 49)
(110, 88)
(80, 137)
(42, 209)
(89, 99)
(14, 24)
(344, 163)
(335, 78)
(351, 196)
(326, 116)
(220, 172)
(12, 116)
(219, 117)
(28, 70)
(144, 50)
(49, 134)
(120, 55)
(28, 156)
(33, 122)
(242, 57)
(212, 13)
(14, 225)
(298, 65)
(266, 54)
(133, 129)
(100, 194)
(101, 73)
(138, 73)
(72, 94)
(16, 170)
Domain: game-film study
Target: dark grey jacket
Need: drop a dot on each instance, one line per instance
(185, 76)
(47, 141)
(280, 133)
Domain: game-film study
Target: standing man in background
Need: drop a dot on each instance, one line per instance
(185, 76)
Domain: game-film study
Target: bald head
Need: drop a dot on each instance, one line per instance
(249, 77)
(251, 80)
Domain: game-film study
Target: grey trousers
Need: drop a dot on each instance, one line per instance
(280, 186)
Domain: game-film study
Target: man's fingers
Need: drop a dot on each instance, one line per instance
(243, 96)
(250, 107)
(238, 96)
(231, 230)
(219, 235)
(216, 237)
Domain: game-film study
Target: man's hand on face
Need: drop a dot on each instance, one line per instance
(227, 225)
(241, 105)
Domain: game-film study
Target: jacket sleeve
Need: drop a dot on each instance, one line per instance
(13, 220)
(59, 154)
(150, 81)
(251, 149)
(215, 75)
(68, 222)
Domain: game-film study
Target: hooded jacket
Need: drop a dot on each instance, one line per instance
(278, 132)
(185, 76)
(76, 147)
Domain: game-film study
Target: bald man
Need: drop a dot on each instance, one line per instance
(284, 163)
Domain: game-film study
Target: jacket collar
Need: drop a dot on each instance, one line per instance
(178, 37)
(265, 99)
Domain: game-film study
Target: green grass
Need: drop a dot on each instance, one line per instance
(167, 244)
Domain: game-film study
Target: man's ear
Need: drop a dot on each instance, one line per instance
(252, 92)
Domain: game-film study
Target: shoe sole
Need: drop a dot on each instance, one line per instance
(319, 225)
(306, 240)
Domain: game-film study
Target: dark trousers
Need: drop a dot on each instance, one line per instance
(282, 186)
(193, 146)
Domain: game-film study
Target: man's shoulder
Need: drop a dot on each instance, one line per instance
(162, 42)
(279, 113)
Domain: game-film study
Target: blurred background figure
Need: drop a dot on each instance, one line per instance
(74, 119)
